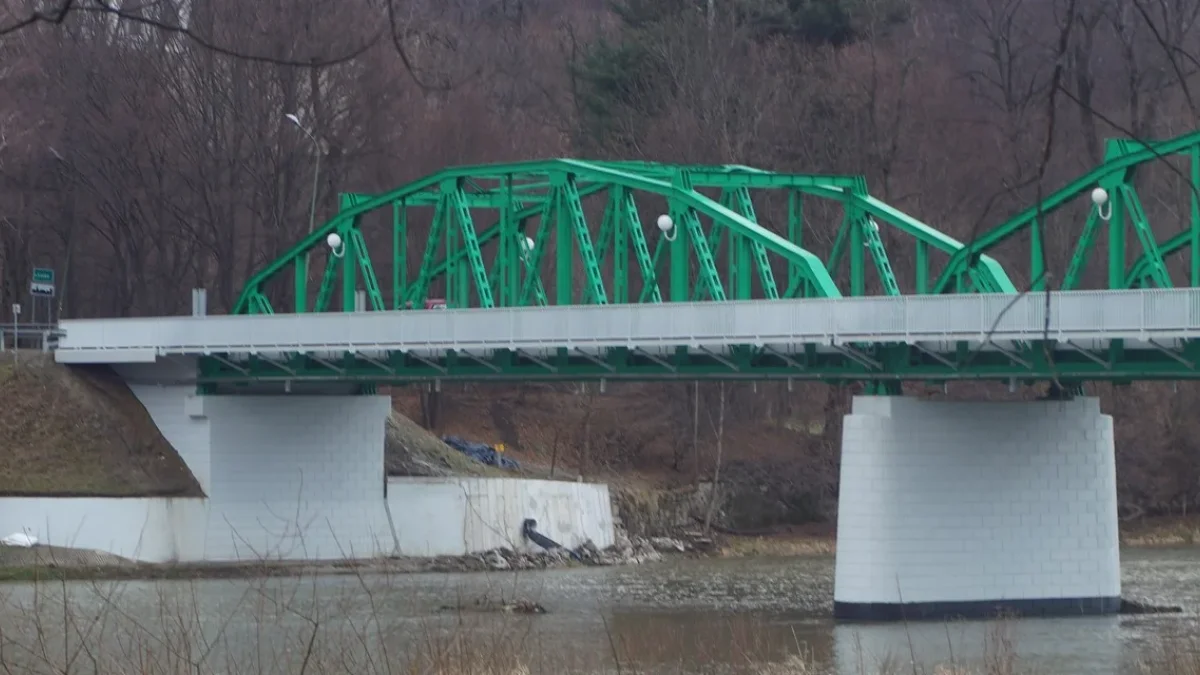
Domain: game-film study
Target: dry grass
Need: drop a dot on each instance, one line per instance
(777, 546)
(1161, 532)
(412, 451)
(1176, 656)
(80, 432)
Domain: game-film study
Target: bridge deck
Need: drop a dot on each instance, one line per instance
(1083, 316)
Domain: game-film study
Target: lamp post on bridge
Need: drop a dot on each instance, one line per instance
(312, 209)
(320, 150)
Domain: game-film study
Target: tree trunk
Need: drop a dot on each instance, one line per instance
(716, 482)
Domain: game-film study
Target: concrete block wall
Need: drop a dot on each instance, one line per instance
(152, 529)
(450, 516)
(958, 508)
(302, 478)
(295, 477)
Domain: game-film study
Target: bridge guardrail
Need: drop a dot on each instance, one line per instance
(1138, 314)
(42, 336)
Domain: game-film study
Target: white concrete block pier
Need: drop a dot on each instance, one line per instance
(968, 508)
(302, 477)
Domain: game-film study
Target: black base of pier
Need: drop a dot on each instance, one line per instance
(974, 609)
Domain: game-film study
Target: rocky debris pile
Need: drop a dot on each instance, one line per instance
(626, 551)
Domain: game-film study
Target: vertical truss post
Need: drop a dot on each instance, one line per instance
(620, 247)
(739, 247)
(1037, 256)
(1116, 240)
(858, 277)
(399, 253)
(533, 279)
(614, 242)
(301, 269)
(563, 249)
(1194, 230)
(510, 248)
(796, 236)
(922, 267)
(349, 258)
(680, 271)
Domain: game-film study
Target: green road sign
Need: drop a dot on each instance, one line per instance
(43, 282)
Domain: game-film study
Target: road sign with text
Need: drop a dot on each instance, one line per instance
(43, 281)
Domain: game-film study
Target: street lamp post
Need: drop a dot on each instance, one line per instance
(312, 208)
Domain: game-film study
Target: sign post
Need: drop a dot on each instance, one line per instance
(16, 312)
(41, 286)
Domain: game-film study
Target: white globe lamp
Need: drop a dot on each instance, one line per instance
(528, 244)
(1099, 196)
(334, 240)
(665, 223)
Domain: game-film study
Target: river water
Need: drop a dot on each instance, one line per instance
(680, 616)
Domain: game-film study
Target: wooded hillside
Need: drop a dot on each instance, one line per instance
(144, 152)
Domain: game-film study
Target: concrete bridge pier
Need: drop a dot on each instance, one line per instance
(964, 509)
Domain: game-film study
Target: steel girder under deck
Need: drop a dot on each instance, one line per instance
(1026, 363)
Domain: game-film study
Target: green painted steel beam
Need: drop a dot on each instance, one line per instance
(1122, 157)
(880, 363)
(473, 190)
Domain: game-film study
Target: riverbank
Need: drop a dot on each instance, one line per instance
(45, 563)
(53, 563)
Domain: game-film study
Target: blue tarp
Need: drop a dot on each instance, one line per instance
(480, 452)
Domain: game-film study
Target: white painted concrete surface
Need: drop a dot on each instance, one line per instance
(302, 478)
(966, 501)
(439, 516)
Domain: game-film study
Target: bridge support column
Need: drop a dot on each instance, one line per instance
(965, 509)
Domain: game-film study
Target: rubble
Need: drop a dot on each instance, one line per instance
(625, 551)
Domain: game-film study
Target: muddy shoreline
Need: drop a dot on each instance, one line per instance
(50, 563)
(44, 563)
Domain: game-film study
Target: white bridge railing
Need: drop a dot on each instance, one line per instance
(1081, 315)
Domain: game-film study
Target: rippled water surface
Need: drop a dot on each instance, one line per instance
(677, 616)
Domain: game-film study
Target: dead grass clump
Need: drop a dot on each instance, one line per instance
(410, 450)
(1173, 656)
(782, 546)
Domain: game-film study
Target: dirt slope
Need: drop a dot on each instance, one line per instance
(79, 431)
(410, 450)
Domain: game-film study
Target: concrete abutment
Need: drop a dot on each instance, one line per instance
(301, 478)
(965, 509)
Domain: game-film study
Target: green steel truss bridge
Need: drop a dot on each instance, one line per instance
(571, 269)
